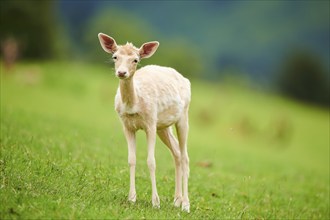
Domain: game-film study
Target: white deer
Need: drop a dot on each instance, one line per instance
(152, 98)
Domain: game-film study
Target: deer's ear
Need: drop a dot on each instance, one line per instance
(148, 49)
(108, 44)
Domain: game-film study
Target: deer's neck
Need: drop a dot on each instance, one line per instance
(127, 92)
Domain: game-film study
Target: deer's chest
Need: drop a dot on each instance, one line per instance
(133, 117)
(133, 121)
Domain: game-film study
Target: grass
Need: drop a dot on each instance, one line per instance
(63, 153)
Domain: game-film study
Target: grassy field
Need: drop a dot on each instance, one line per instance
(64, 156)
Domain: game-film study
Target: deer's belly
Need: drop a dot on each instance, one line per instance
(165, 118)
(168, 117)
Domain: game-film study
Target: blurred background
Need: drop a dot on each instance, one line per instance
(280, 46)
(259, 116)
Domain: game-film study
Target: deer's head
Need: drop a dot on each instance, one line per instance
(126, 57)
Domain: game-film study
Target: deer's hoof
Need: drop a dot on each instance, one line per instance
(186, 207)
(132, 197)
(155, 201)
(177, 201)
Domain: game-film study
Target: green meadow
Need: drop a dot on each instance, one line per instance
(253, 155)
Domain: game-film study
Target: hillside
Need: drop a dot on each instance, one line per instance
(63, 153)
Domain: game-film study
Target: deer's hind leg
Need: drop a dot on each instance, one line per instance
(166, 135)
(182, 128)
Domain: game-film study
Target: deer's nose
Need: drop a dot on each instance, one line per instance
(121, 74)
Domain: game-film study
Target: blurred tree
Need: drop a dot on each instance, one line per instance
(9, 50)
(33, 25)
(120, 25)
(181, 55)
(124, 26)
(303, 77)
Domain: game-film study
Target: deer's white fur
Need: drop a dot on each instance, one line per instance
(152, 98)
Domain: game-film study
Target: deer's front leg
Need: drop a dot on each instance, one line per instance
(151, 139)
(130, 137)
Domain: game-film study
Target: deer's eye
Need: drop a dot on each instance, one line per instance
(114, 57)
(135, 61)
